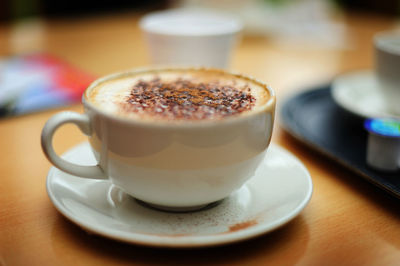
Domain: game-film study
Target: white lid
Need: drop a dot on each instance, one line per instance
(190, 22)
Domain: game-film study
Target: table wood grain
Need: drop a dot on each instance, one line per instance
(348, 221)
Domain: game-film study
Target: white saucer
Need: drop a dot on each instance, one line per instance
(358, 93)
(277, 193)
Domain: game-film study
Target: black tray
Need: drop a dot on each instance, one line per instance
(315, 119)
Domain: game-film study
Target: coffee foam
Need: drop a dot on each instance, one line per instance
(111, 95)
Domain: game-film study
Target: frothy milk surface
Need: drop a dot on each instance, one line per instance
(178, 95)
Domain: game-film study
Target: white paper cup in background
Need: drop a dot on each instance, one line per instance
(387, 66)
(194, 37)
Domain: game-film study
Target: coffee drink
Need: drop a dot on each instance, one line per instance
(174, 138)
(177, 96)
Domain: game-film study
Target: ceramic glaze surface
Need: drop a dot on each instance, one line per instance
(387, 68)
(280, 188)
(190, 37)
(359, 93)
(170, 164)
(180, 167)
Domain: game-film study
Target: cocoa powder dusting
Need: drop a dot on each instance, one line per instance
(185, 99)
(241, 226)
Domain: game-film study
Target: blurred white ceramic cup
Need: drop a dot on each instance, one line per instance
(194, 37)
(387, 66)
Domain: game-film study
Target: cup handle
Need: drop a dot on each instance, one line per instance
(82, 121)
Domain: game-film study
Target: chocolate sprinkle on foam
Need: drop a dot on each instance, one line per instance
(184, 99)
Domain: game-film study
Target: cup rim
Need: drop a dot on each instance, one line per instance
(380, 38)
(268, 106)
(236, 26)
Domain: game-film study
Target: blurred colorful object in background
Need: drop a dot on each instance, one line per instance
(37, 82)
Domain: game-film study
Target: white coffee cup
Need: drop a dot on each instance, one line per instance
(387, 66)
(193, 37)
(168, 165)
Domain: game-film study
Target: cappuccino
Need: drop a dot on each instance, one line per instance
(144, 128)
(178, 95)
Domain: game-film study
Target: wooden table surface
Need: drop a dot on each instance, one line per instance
(347, 222)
